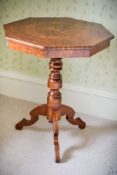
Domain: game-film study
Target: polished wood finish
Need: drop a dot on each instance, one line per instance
(56, 38)
(54, 99)
(53, 109)
(40, 110)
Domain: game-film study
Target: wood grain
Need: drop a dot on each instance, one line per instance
(53, 110)
(57, 37)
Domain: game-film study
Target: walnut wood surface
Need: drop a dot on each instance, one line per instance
(54, 99)
(53, 109)
(57, 37)
(63, 111)
(40, 110)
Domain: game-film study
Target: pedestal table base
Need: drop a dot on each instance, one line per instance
(53, 110)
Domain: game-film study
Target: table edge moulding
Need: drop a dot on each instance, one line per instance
(56, 38)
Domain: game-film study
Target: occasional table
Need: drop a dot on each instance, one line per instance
(56, 38)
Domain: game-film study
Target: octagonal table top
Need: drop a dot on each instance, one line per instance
(57, 37)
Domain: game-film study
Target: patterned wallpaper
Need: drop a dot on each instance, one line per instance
(99, 71)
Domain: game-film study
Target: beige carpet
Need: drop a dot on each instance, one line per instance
(92, 151)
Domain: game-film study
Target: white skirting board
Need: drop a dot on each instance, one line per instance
(84, 100)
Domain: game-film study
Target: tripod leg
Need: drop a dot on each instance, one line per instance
(69, 112)
(56, 132)
(40, 110)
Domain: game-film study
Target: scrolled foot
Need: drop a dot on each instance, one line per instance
(81, 123)
(57, 161)
(19, 125)
(25, 122)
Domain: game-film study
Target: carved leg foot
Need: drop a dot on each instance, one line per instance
(40, 110)
(56, 132)
(81, 124)
(69, 112)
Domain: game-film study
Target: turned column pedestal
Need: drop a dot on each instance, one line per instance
(53, 109)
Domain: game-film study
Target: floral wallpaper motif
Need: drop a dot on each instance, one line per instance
(99, 71)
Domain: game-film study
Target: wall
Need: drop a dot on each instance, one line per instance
(90, 85)
(97, 72)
